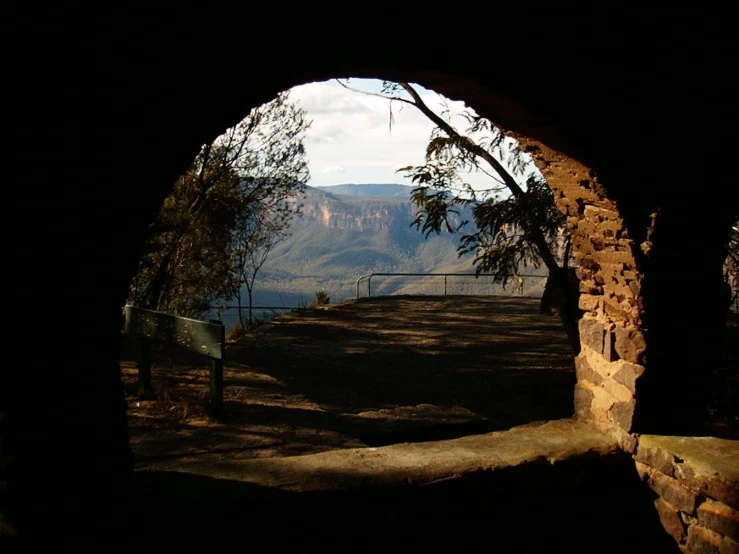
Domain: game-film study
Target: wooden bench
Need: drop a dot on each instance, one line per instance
(202, 337)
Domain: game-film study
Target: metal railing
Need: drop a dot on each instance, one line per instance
(445, 276)
(224, 313)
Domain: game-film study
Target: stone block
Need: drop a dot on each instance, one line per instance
(583, 402)
(619, 292)
(588, 302)
(615, 257)
(630, 344)
(587, 262)
(709, 484)
(645, 471)
(729, 546)
(591, 334)
(673, 492)
(688, 520)
(626, 441)
(582, 273)
(670, 518)
(622, 414)
(601, 212)
(609, 227)
(720, 518)
(611, 272)
(584, 370)
(627, 374)
(616, 311)
(703, 541)
(656, 458)
(602, 404)
(586, 226)
(618, 391)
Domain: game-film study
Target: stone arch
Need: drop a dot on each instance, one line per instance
(124, 122)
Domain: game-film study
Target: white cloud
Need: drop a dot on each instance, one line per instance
(352, 140)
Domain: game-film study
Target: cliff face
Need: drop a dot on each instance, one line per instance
(354, 213)
(342, 236)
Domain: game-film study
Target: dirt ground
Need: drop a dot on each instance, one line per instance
(367, 373)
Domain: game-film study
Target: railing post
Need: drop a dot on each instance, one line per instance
(444, 285)
(369, 286)
(216, 376)
(143, 363)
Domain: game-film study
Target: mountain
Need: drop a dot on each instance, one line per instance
(340, 237)
(353, 230)
(347, 231)
(386, 190)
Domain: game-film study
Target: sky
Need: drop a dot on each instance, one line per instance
(350, 140)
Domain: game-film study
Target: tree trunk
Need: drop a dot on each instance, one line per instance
(153, 295)
(561, 297)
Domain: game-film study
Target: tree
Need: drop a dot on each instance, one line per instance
(517, 221)
(254, 240)
(258, 167)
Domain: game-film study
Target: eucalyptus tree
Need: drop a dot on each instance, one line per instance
(194, 256)
(516, 219)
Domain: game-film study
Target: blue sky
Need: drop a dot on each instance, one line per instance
(350, 140)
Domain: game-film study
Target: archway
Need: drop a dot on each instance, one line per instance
(93, 116)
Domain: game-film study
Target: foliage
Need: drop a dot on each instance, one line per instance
(238, 187)
(254, 240)
(518, 223)
(504, 238)
(236, 332)
(322, 299)
(241, 330)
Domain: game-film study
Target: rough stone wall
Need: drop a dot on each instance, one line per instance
(613, 344)
(698, 506)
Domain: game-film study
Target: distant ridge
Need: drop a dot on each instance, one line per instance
(389, 190)
(350, 230)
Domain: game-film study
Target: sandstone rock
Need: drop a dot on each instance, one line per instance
(583, 402)
(706, 465)
(703, 541)
(673, 492)
(616, 257)
(729, 546)
(587, 301)
(618, 391)
(670, 518)
(630, 344)
(602, 404)
(656, 458)
(601, 212)
(622, 414)
(720, 518)
(627, 374)
(616, 311)
(584, 370)
(591, 334)
(626, 441)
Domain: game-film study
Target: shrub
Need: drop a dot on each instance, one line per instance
(236, 332)
(321, 299)
(239, 330)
